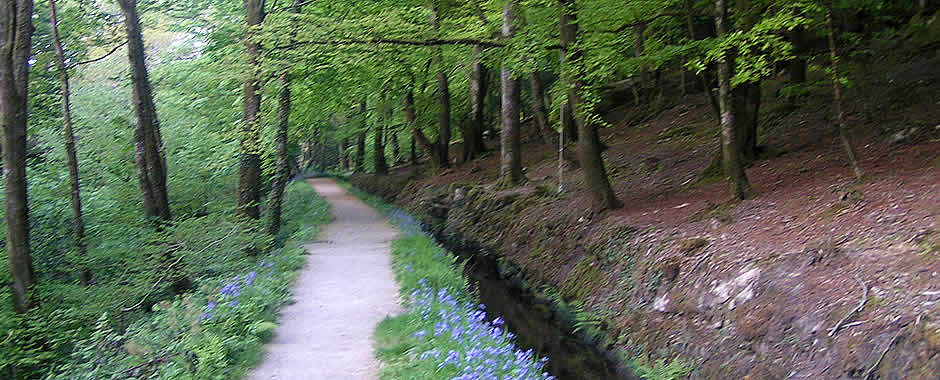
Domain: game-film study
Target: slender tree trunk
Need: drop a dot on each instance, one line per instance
(78, 222)
(511, 162)
(148, 146)
(413, 154)
(429, 148)
(443, 91)
(16, 31)
(360, 161)
(341, 147)
(639, 29)
(797, 66)
(361, 138)
(396, 147)
(704, 77)
(837, 96)
(281, 169)
(538, 109)
(378, 148)
(473, 134)
(249, 169)
(589, 146)
(280, 147)
(731, 157)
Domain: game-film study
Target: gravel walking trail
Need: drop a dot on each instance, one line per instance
(345, 289)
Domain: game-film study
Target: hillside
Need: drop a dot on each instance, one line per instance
(739, 288)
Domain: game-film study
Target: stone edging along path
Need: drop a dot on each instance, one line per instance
(344, 290)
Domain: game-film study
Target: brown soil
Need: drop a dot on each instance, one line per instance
(740, 289)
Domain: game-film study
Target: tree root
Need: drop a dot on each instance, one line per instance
(857, 309)
(881, 357)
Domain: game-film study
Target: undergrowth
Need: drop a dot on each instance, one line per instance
(132, 324)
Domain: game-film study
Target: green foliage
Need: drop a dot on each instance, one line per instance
(675, 369)
(216, 331)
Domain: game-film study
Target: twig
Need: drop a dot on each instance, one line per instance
(106, 55)
(9, 336)
(141, 302)
(857, 309)
(880, 358)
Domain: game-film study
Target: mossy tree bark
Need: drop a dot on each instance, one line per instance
(511, 160)
(16, 24)
(249, 169)
(148, 146)
(731, 157)
(589, 145)
(71, 159)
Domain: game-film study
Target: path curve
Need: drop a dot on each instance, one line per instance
(345, 289)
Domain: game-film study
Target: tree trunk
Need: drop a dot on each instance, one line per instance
(249, 169)
(538, 109)
(361, 139)
(148, 146)
(16, 24)
(731, 157)
(396, 148)
(378, 148)
(704, 77)
(343, 162)
(589, 146)
(473, 134)
(747, 98)
(71, 159)
(280, 148)
(837, 96)
(413, 154)
(429, 148)
(511, 162)
(797, 67)
(443, 91)
(281, 169)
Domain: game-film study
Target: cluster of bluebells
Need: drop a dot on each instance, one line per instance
(231, 288)
(405, 222)
(484, 350)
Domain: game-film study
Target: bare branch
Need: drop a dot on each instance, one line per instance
(108, 54)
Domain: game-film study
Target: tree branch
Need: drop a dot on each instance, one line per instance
(108, 54)
(624, 27)
(394, 41)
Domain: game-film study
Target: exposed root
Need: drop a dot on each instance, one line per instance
(857, 309)
(871, 370)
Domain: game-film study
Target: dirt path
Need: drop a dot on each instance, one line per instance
(346, 288)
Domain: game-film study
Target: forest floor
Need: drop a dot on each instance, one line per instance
(669, 268)
(346, 288)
